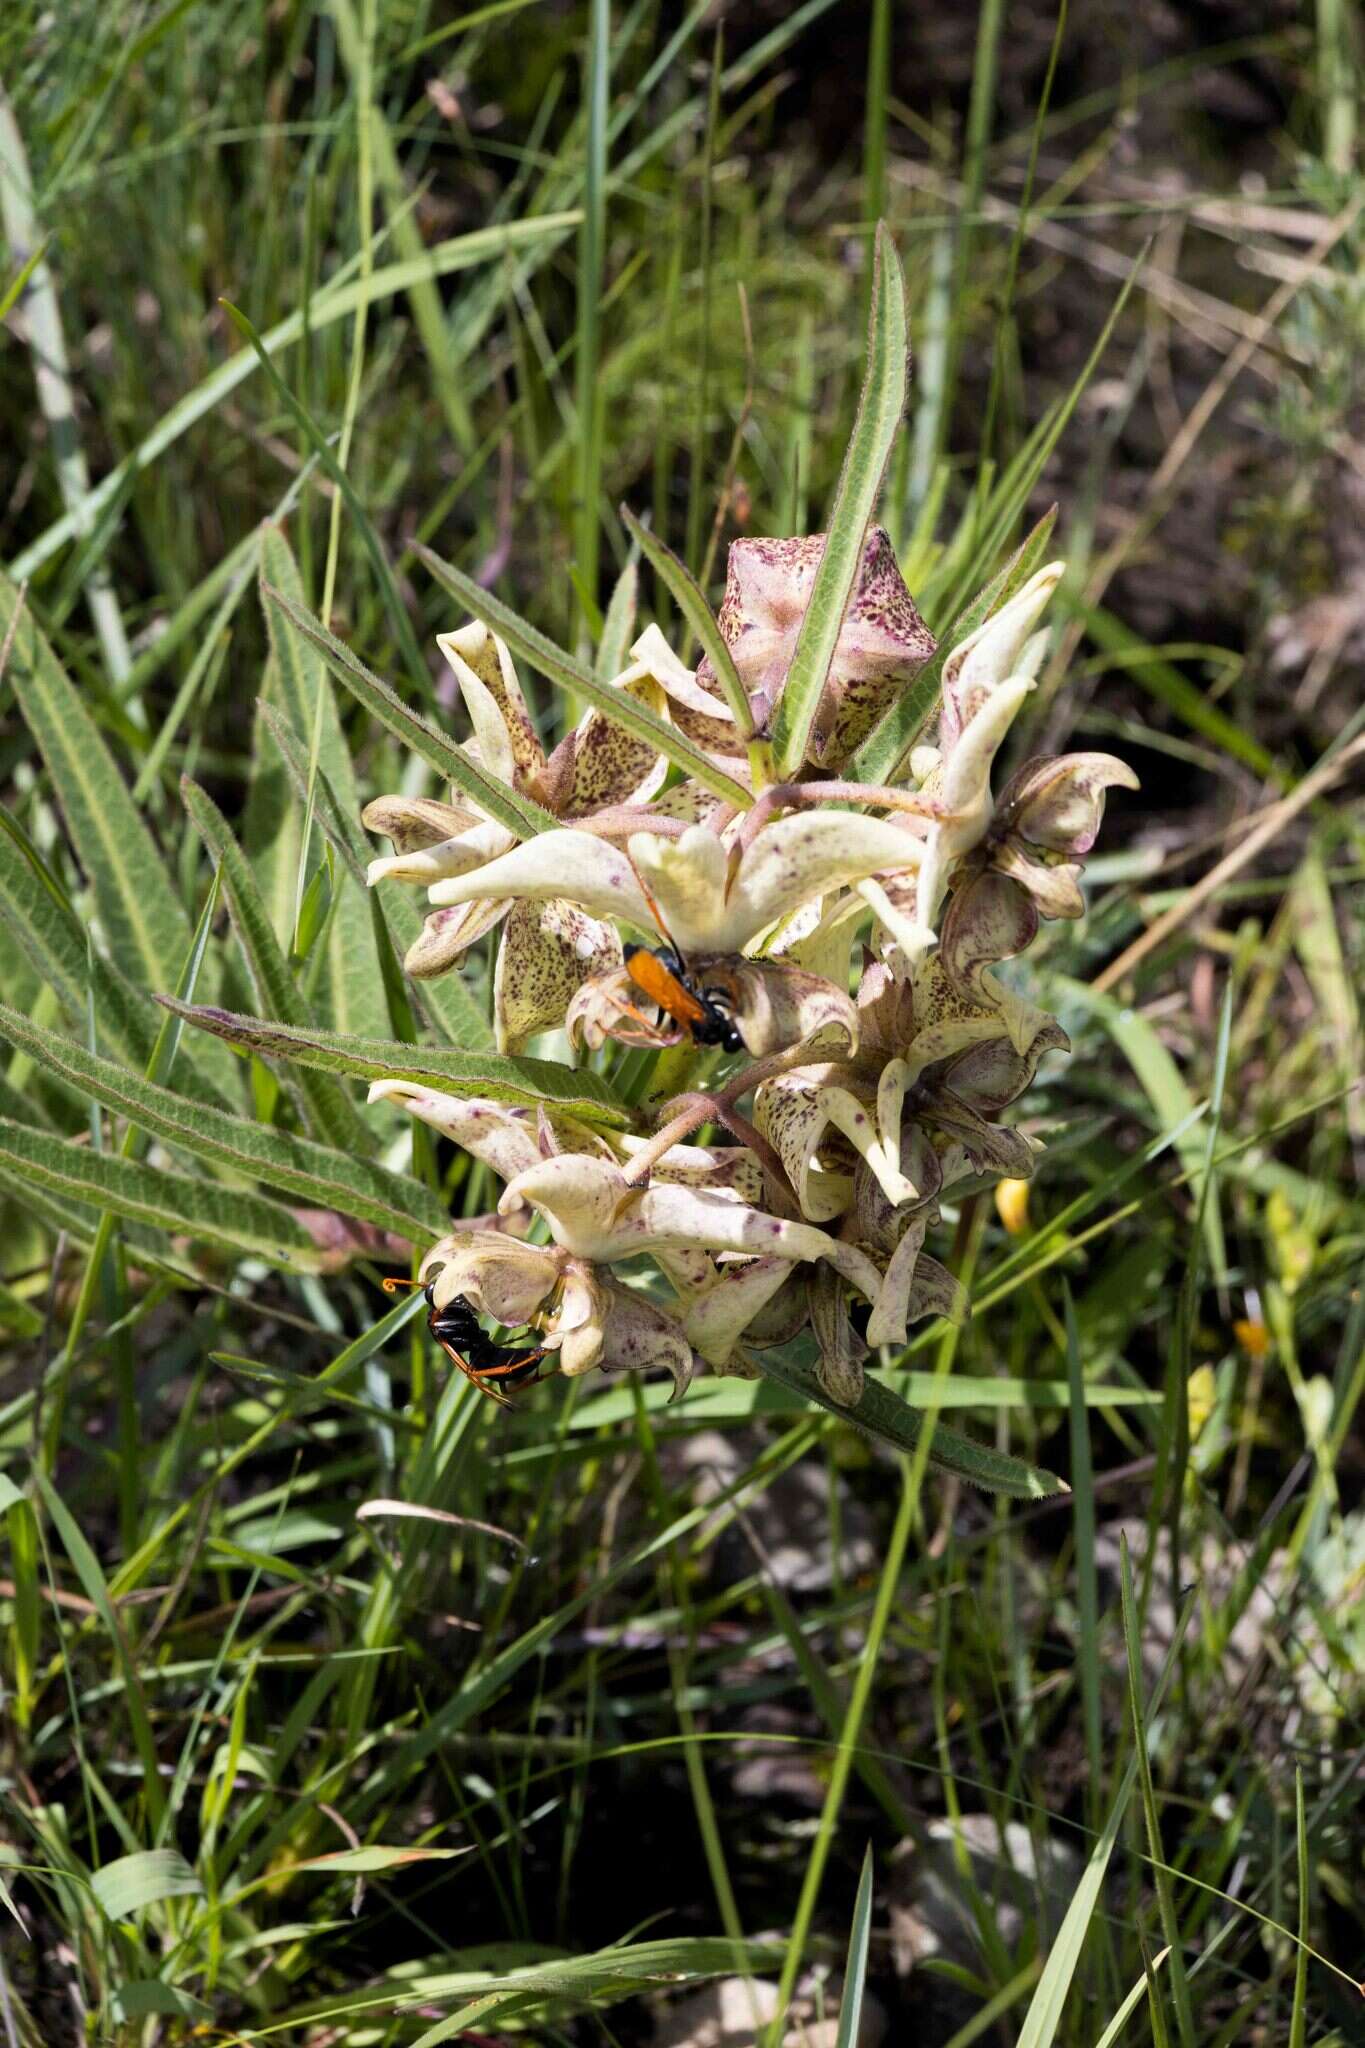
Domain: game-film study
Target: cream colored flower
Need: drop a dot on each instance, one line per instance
(584, 1319)
(985, 680)
(883, 643)
(708, 899)
(546, 949)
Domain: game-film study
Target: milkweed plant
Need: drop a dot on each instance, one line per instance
(813, 955)
(765, 901)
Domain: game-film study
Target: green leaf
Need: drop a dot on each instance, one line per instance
(855, 1970)
(317, 1175)
(47, 929)
(352, 990)
(446, 999)
(691, 602)
(881, 1413)
(146, 926)
(153, 1195)
(568, 674)
(530, 1083)
(1044, 2015)
(887, 745)
(501, 802)
(880, 407)
(144, 1997)
(329, 1112)
(127, 1885)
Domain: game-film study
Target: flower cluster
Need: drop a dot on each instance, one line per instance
(821, 963)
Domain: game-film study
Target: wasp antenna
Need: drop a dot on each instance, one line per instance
(654, 909)
(391, 1284)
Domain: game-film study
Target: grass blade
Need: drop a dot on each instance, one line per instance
(855, 1969)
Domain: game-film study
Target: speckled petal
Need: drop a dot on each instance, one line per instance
(991, 1148)
(842, 1351)
(890, 1311)
(775, 1006)
(610, 1006)
(447, 934)
(1055, 886)
(990, 918)
(473, 848)
(595, 1213)
(790, 1113)
(989, 1077)
(717, 1319)
(499, 1134)
(588, 871)
(639, 1336)
(498, 1276)
(883, 644)
(1058, 803)
(508, 741)
(611, 766)
(693, 708)
(546, 951)
(412, 822)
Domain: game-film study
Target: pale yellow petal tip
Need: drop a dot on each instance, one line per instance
(1011, 1204)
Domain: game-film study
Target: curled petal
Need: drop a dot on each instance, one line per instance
(989, 919)
(498, 1276)
(576, 1330)
(1055, 886)
(776, 1006)
(483, 668)
(989, 1076)
(639, 1336)
(879, 1222)
(890, 1312)
(609, 1005)
(467, 850)
(501, 1135)
(1058, 803)
(992, 652)
(790, 1114)
(717, 1319)
(842, 1350)
(575, 865)
(546, 952)
(414, 822)
(991, 1148)
(699, 712)
(708, 910)
(447, 934)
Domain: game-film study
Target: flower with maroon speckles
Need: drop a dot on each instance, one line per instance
(547, 948)
(883, 644)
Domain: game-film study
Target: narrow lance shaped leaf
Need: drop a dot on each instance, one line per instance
(172, 1202)
(855, 500)
(527, 1082)
(518, 813)
(329, 1114)
(316, 1174)
(691, 602)
(561, 669)
(881, 1413)
(446, 1000)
